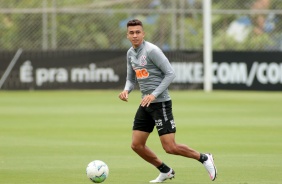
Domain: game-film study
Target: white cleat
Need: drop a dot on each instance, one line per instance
(210, 167)
(164, 176)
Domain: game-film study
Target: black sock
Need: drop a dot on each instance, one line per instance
(163, 168)
(203, 157)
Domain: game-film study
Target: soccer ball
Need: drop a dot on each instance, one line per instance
(97, 171)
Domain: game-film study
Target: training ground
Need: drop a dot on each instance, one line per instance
(49, 137)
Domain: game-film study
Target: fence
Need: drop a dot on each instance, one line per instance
(171, 24)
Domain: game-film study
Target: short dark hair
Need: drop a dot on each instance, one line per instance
(134, 22)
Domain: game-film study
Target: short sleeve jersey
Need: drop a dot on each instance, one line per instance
(148, 65)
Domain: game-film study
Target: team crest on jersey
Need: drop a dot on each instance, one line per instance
(143, 61)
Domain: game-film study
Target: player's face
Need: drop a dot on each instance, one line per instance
(135, 34)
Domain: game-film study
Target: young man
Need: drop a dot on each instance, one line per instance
(147, 64)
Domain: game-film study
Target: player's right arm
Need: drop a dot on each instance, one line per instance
(123, 95)
(130, 81)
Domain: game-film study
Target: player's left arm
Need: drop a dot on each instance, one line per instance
(161, 61)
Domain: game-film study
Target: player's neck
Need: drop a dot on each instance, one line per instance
(137, 46)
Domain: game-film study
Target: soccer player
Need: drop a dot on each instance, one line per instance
(147, 65)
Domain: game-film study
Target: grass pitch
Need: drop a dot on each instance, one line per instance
(49, 137)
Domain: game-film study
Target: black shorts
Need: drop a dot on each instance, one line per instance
(159, 114)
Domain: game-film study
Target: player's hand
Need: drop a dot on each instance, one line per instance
(146, 101)
(123, 95)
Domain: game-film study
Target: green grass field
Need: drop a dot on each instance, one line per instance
(49, 137)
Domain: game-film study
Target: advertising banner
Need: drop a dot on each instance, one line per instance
(247, 70)
(78, 70)
(65, 70)
(107, 70)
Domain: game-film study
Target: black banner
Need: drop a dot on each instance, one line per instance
(76, 69)
(247, 70)
(107, 70)
(66, 70)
